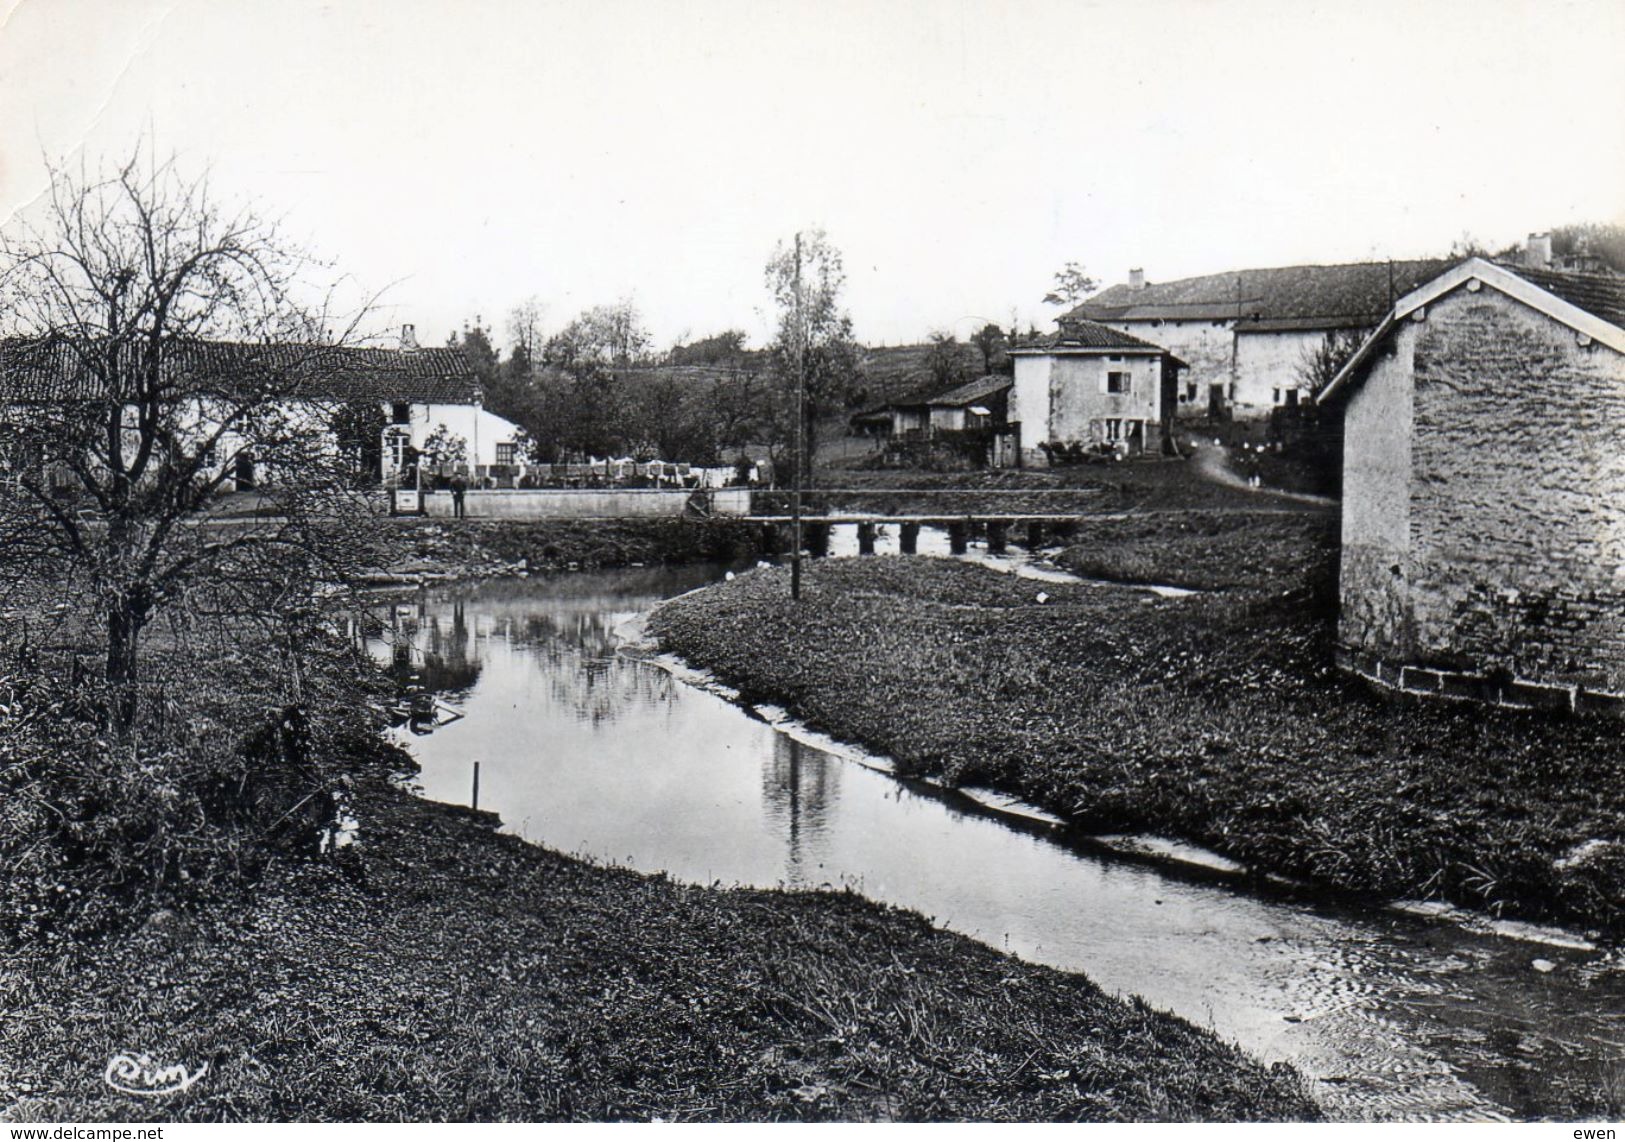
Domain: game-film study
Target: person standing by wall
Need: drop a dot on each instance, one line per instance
(459, 489)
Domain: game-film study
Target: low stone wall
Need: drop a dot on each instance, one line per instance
(589, 503)
(1463, 686)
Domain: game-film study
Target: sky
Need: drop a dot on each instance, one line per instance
(465, 156)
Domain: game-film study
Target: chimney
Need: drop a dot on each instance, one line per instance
(409, 337)
(1537, 253)
(1136, 279)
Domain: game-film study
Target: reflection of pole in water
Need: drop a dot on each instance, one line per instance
(798, 786)
(795, 807)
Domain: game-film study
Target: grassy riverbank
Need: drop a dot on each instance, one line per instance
(439, 970)
(1216, 717)
(1139, 485)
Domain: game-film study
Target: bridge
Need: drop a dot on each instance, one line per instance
(960, 527)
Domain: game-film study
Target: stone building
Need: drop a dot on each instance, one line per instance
(1483, 550)
(1246, 334)
(1091, 387)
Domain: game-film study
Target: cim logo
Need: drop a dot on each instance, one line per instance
(140, 1076)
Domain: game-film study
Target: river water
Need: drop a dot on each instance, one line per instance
(594, 751)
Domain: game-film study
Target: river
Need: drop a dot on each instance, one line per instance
(615, 757)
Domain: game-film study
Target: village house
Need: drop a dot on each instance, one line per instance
(426, 390)
(982, 403)
(1247, 334)
(1092, 387)
(407, 394)
(1483, 534)
(970, 405)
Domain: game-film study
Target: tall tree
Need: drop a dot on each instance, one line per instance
(603, 335)
(161, 346)
(946, 359)
(525, 330)
(989, 341)
(1072, 285)
(813, 350)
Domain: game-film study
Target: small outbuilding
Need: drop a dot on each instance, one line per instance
(1483, 533)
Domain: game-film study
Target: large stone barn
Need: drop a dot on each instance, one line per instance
(1483, 546)
(1249, 335)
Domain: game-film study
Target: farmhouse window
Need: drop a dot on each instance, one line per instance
(1277, 396)
(400, 412)
(400, 444)
(505, 453)
(1118, 382)
(1113, 430)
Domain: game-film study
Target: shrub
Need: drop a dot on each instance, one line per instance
(97, 831)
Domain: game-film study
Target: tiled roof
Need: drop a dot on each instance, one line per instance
(972, 391)
(1601, 295)
(52, 369)
(1286, 297)
(1598, 298)
(1080, 333)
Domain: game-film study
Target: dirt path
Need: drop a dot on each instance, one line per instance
(1213, 463)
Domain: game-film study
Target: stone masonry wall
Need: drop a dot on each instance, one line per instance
(1517, 497)
(1375, 615)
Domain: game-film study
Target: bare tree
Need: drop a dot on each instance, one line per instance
(525, 331)
(1320, 363)
(161, 347)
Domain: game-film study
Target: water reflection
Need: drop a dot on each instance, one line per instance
(798, 786)
(613, 758)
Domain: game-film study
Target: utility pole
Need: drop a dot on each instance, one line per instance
(799, 348)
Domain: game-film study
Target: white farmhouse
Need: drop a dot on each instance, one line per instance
(1090, 387)
(1247, 333)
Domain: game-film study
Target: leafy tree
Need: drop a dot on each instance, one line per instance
(476, 346)
(603, 335)
(358, 427)
(1604, 241)
(726, 348)
(1072, 285)
(946, 359)
(444, 448)
(813, 351)
(989, 341)
(161, 346)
